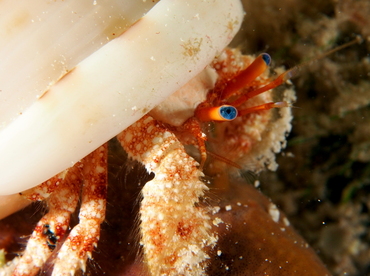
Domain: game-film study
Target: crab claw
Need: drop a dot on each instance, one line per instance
(113, 87)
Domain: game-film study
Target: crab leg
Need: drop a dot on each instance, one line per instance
(84, 236)
(62, 202)
(174, 230)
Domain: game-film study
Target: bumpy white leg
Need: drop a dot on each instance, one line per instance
(85, 236)
(175, 231)
(62, 202)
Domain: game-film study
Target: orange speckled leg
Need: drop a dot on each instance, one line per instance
(84, 236)
(175, 230)
(62, 202)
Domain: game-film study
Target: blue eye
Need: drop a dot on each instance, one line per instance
(266, 58)
(228, 112)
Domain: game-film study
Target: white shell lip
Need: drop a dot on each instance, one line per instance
(42, 40)
(154, 58)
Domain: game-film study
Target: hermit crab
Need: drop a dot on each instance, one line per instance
(175, 226)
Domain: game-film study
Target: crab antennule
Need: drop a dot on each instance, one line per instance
(255, 69)
(265, 106)
(275, 83)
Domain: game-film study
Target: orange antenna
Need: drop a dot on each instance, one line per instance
(291, 73)
(225, 160)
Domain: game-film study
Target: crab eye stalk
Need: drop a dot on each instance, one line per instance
(218, 113)
(255, 69)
